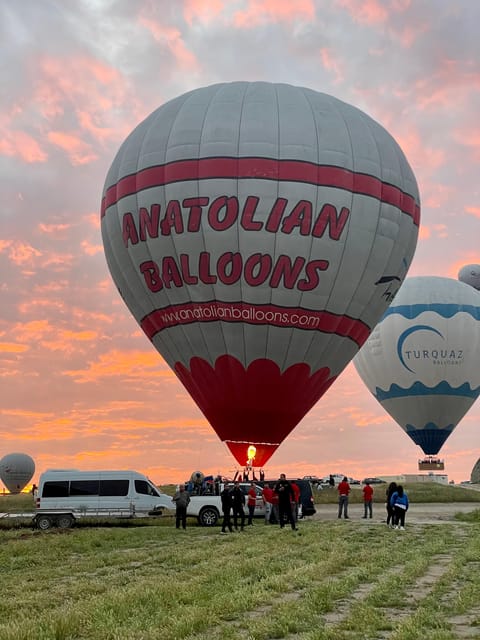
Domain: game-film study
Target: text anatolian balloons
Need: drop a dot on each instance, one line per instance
(470, 274)
(421, 362)
(257, 232)
(16, 471)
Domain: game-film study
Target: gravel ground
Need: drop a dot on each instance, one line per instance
(421, 513)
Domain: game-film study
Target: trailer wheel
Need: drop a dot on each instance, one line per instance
(65, 522)
(208, 517)
(43, 522)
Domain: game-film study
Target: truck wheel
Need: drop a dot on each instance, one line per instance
(43, 522)
(65, 522)
(208, 517)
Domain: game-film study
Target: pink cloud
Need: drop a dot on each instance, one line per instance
(19, 144)
(365, 11)
(172, 37)
(12, 347)
(473, 211)
(204, 11)
(23, 254)
(77, 149)
(130, 364)
(436, 195)
(424, 232)
(53, 228)
(331, 63)
(272, 11)
(91, 249)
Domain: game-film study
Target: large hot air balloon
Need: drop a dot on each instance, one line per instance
(257, 232)
(470, 274)
(16, 471)
(421, 362)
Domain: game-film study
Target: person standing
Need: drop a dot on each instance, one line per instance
(226, 498)
(392, 487)
(251, 503)
(284, 490)
(399, 502)
(367, 499)
(343, 492)
(267, 495)
(296, 499)
(181, 500)
(238, 503)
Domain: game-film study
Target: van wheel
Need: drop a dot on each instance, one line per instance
(208, 517)
(43, 522)
(65, 522)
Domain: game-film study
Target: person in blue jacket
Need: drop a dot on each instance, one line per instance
(399, 504)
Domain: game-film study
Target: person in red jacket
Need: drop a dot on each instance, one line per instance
(267, 495)
(367, 499)
(343, 491)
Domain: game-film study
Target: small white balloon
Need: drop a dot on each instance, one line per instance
(16, 471)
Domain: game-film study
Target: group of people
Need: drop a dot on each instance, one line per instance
(396, 503)
(280, 502)
(397, 506)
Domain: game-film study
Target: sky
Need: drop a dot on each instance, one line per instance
(80, 384)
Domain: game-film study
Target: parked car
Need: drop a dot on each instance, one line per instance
(373, 481)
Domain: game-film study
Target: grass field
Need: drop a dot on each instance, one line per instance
(331, 580)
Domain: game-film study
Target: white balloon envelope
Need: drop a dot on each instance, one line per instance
(470, 274)
(16, 471)
(257, 232)
(421, 362)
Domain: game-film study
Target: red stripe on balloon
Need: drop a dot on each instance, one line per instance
(261, 169)
(268, 314)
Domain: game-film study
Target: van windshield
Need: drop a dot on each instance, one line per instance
(145, 488)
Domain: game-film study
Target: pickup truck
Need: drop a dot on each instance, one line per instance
(208, 508)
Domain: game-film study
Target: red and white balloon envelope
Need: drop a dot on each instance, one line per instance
(257, 232)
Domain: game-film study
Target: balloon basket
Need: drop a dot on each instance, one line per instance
(431, 464)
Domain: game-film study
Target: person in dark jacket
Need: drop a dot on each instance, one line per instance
(392, 487)
(226, 497)
(181, 500)
(284, 490)
(399, 502)
(238, 502)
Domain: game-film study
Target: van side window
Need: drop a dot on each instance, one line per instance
(55, 489)
(84, 488)
(114, 487)
(145, 488)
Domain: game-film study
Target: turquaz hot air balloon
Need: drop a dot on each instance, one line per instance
(470, 274)
(257, 232)
(16, 471)
(421, 362)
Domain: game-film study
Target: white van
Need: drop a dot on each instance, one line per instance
(66, 494)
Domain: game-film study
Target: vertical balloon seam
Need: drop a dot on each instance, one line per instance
(299, 93)
(199, 390)
(113, 253)
(173, 355)
(241, 119)
(366, 121)
(320, 354)
(317, 191)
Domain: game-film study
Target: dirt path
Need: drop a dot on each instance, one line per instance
(425, 513)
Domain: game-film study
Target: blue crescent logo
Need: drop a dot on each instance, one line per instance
(406, 334)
